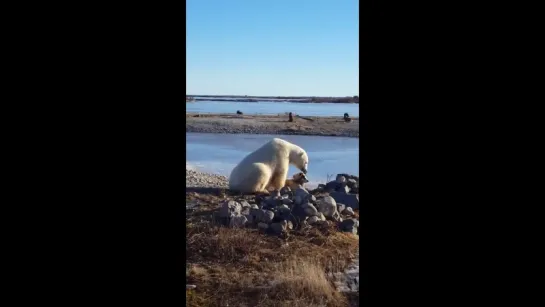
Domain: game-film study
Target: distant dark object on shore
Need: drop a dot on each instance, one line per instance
(347, 118)
(346, 115)
(238, 112)
(291, 117)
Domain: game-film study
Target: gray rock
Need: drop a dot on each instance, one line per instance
(275, 193)
(343, 189)
(355, 190)
(352, 183)
(327, 206)
(287, 201)
(244, 204)
(321, 187)
(238, 221)
(349, 225)
(312, 199)
(250, 219)
(289, 225)
(340, 207)
(336, 216)
(272, 202)
(255, 206)
(267, 216)
(230, 208)
(283, 212)
(279, 227)
(285, 190)
(262, 225)
(331, 186)
(245, 211)
(340, 179)
(302, 192)
(309, 209)
(348, 211)
(313, 219)
(350, 200)
(321, 217)
(257, 215)
(285, 196)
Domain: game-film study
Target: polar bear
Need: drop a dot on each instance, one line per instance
(267, 167)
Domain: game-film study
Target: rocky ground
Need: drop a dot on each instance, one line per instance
(271, 124)
(291, 248)
(205, 180)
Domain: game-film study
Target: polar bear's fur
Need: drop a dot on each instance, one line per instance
(267, 167)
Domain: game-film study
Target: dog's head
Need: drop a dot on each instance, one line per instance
(300, 178)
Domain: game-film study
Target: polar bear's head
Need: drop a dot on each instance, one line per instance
(300, 160)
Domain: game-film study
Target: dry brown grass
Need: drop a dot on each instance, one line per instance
(243, 267)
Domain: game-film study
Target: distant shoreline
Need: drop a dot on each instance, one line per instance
(271, 124)
(308, 99)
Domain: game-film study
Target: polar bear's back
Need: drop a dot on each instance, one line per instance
(269, 153)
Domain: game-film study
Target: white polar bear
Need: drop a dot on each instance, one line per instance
(267, 167)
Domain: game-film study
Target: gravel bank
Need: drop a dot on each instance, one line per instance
(271, 124)
(205, 180)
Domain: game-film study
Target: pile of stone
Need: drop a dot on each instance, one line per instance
(344, 189)
(285, 210)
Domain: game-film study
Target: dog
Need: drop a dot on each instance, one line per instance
(298, 181)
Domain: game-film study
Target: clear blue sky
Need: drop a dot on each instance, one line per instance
(272, 47)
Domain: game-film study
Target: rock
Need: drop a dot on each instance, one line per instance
(283, 212)
(321, 217)
(340, 179)
(238, 221)
(351, 183)
(279, 227)
(255, 206)
(230, 208)
(309, 209)
(321, 187)
(331, 186)
(313, 219)
(336, 216)
(244, 203)
(285, 190)
(348, 211)
(327, 206)
(275, 193)
(350, 200)
(262, 225)
(245, 211)
(285, 196)
(355, 190)
(250, 219)
(289, 225)
(349, 225)
(312, 199)
(267, 216)
(298, 211)
(272, 202)
(287, 201)
(340, 207)
(301, 192)
(343, 189)
(257, 215)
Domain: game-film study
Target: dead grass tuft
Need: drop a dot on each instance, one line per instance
(301, 282)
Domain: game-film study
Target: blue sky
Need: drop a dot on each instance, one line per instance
(272, 47)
